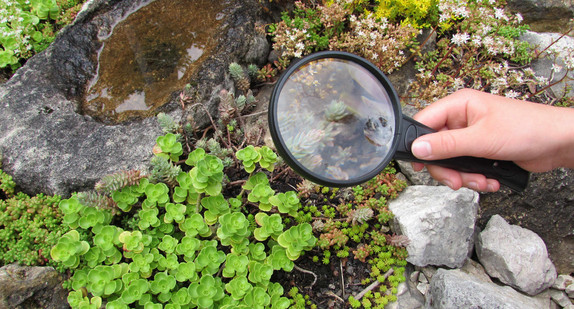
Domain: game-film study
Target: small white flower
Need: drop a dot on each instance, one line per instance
(511, 94)
(499, 14)
(460, 39)
(556, 68)
(519, 18)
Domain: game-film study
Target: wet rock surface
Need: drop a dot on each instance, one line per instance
(49, 146)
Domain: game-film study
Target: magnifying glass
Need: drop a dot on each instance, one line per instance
(336, 120)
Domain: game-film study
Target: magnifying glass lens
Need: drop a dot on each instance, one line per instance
(336, 120)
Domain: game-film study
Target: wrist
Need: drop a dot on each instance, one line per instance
(564, 129)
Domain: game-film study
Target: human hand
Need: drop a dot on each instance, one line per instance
(537, 137)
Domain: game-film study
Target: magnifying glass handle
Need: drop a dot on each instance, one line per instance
(506, 172)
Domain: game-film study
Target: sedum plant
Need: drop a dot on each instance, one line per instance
(185, 244)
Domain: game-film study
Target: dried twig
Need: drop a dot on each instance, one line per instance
(373, 285)
(307, 272)
(342, 278)
(330, 293)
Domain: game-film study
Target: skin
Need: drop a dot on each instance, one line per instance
(537, 137)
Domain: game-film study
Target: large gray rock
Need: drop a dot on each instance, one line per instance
(453, 289)
(50, 147)
(516, 256)
(545, 15)
(31, 287)
(546, 207)
(439, 223)
(553, 65)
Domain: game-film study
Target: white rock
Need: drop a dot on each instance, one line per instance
(450, 289)
(560, 297)
(562, 281)
(439, 223)
(516, 256)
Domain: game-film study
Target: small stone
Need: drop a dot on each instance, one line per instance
(415, 276)
(560, 297)
(423, 278)
(331, 286)
(571, 306)
(423, 287)
(562, 281)
(570, 290)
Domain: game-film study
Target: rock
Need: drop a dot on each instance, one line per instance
(456, 289)
(570, 290)
(476, 270)
(408, 296)
(544, 66)
(31, 287)
(544, 15)
(50, 147)
(439, 223)
(562, 281)
(560, 297)
(546, 207)
(516, 256)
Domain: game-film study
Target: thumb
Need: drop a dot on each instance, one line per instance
(446, 144)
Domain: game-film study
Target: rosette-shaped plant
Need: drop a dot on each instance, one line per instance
(287, 203)
(235, 266)
(216, 206)
(134, 291)
(205, 292)
(257, 298)
(257, 252)
(91, 216)
(268, 158)
(148, 217)
(167, 244)
(207, 175)
(233, 228)
(104, 280)
(69, 249)
(297, 239)
(174, 212)
(188, 246)
(261, 194)
(275, 290)
(238, 287)
(260, 273)
(249, 156)
(193, 225)
(133, 241)
(143, 263)
(168, 147)
(180, 298)
(106, 236)
(168, 261)
(185, 272)
(125, 198)
(71, 208)
(162, 284)
(209, 259)
(156, 194)
(270, 226)
(278, 259)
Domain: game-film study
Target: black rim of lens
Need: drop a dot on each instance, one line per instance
(280, 143)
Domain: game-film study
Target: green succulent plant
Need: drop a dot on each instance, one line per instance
(69, 249)
(169, 147)
(297, 239)
(270, 226)
(287, 202)
(233, 228)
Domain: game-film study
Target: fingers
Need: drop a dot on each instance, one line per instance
(456, 180)
(451, 143)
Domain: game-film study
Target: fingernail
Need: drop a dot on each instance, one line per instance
(421, 149)
(472, 185)
(490, 188)
(447, 183)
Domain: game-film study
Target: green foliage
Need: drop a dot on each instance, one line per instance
(418, 13)
(182, 244)
(297, 239)
(287, 202)
(168, 147)
(29, 227)
(28, 27)
(7, 185)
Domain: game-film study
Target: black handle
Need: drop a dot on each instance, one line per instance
(506, 172)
